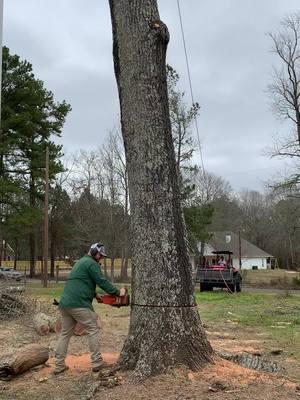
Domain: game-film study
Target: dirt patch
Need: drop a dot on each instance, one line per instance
(233, 346)
(223, 380)
(242, 377)
(77, 363)
(222, 371)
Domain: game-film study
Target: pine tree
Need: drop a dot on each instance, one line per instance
(30, 119)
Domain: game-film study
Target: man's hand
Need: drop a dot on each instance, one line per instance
(98, 296)
(122, 292)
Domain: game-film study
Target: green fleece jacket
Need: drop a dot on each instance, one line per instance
(80, 287)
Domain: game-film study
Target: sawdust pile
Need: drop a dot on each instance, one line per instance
(224, 373)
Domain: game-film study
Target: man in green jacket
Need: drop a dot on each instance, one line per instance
(76, 306)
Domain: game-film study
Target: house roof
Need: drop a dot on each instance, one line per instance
(229, 241)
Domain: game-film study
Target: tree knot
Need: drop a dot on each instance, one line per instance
(160, 28)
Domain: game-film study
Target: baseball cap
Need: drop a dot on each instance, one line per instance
(99, 247)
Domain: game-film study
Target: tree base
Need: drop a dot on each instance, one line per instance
(163, 337)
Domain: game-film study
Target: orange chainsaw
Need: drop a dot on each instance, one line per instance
(113, 300)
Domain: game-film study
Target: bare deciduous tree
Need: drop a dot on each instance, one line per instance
(207, 189)
(86, 172)
(110, 157)
(285, 88)
(256, 217)
(121, 170)
(181, 116)
(287, 220)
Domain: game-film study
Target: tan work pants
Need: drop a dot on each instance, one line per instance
(87, 318)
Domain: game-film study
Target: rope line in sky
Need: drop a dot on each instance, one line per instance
(191, 87)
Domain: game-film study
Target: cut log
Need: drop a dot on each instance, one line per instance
(28, 357)
(43, 323)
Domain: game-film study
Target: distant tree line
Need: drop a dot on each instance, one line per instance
(89, 195)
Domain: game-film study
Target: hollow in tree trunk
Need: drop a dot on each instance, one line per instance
(165, 327)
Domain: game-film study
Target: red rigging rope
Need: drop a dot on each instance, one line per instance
(191, 89)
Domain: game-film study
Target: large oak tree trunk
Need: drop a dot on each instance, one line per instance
(165, 327)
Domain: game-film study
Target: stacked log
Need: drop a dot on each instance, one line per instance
(12, 305)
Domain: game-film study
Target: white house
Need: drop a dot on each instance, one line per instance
(252, 257)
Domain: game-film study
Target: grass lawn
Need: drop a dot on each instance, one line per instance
(275, 315)
(54, 289)
(36, 289)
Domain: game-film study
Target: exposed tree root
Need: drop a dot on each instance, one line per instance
(252, 361)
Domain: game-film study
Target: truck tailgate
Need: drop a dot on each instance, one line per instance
(207, 275)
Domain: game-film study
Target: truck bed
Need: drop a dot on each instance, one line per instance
(213, 276)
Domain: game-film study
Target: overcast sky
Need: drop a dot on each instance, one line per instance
(70, 46)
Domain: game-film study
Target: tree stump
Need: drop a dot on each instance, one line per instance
(21, 361)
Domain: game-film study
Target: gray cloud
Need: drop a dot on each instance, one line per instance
(69, 44)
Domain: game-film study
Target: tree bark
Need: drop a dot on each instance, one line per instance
(1, 248)
(52, 255)
(112, 269)
(291, 251)
(32, 234)
(5, 250)
(26, 358)
(124, 264)
(165, 327)
(16, 255)
(105, 267)
(52, 265)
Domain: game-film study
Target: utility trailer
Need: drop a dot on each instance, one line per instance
(220, 274)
